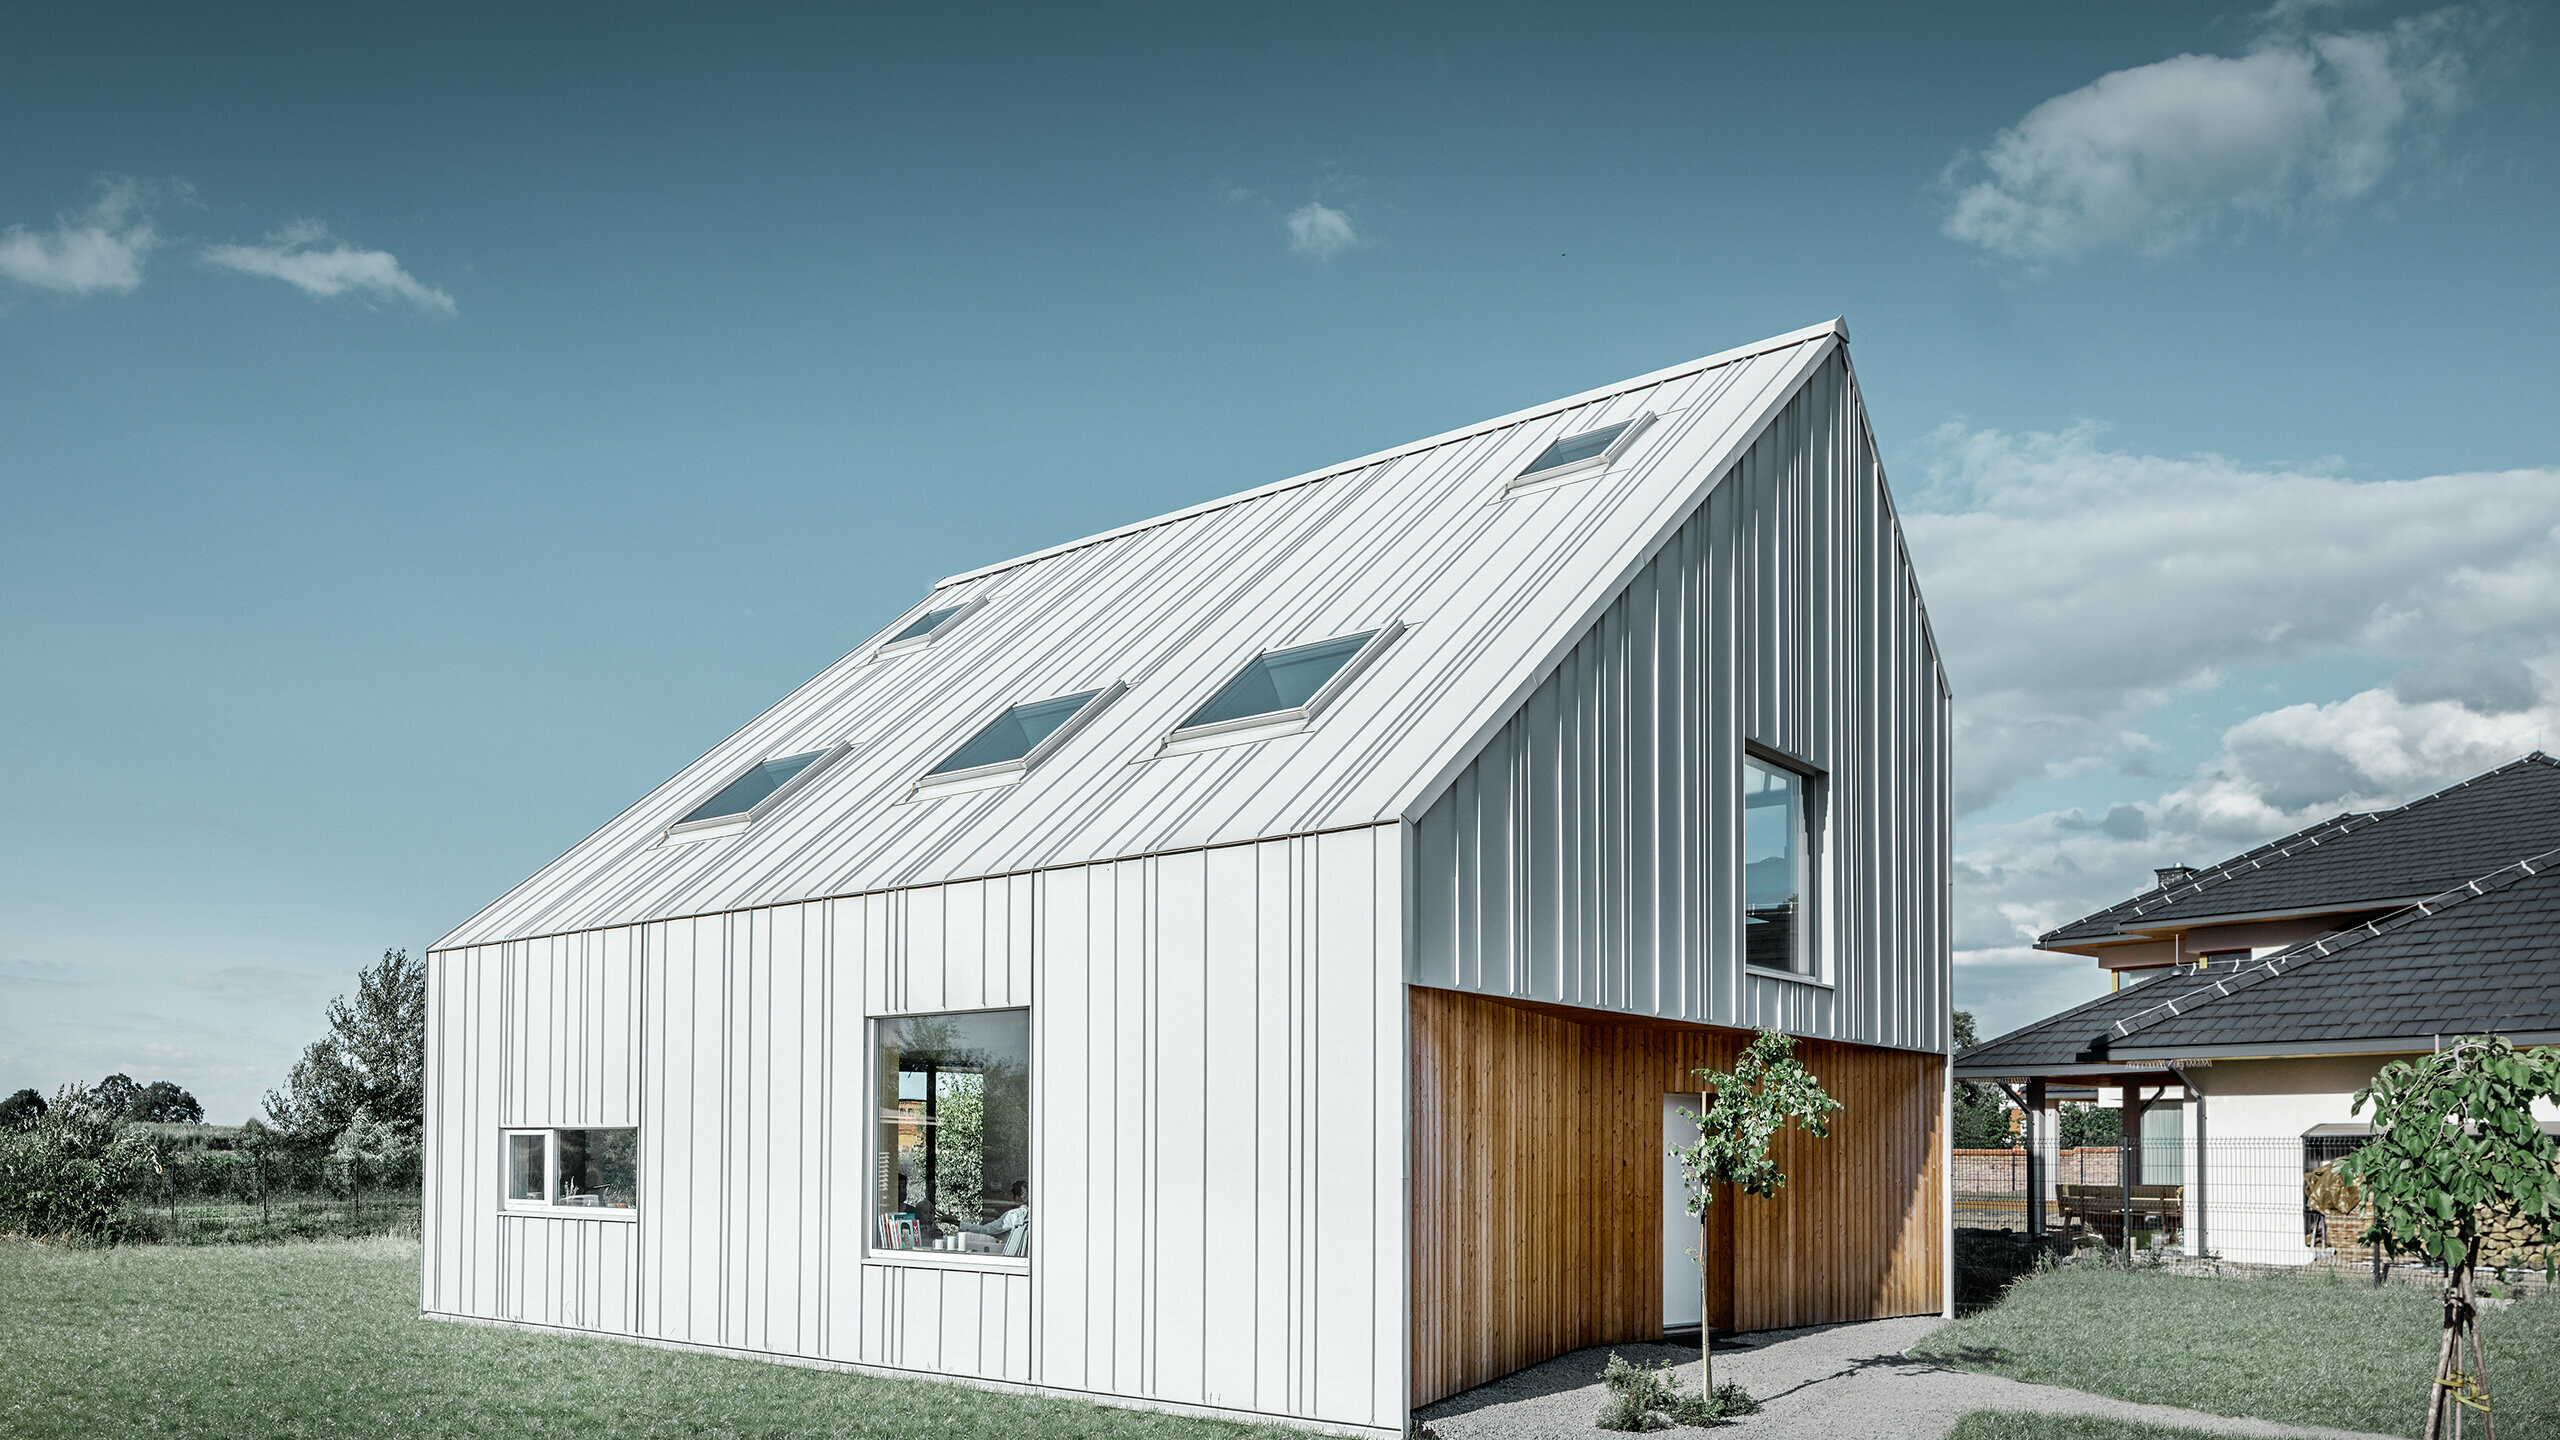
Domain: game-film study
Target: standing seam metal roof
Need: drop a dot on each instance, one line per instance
(1492, 587)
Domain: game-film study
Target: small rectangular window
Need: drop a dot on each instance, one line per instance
(585, 1169)
(1278, 682)
(1015, 735)
(1777, 869)
(751, 789)
(952, 1157)
(1589, 449)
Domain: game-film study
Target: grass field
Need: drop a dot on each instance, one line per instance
(2313, 1350)
(225, 1222)
(2018, 1425)
(324, 1339)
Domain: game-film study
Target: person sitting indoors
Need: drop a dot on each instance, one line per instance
(1014, 1225)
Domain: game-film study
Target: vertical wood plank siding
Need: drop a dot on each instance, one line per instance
(1218, 1127)
(1590, 854)
(1537, 1188)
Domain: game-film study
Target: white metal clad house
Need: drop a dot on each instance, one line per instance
(1126, 975)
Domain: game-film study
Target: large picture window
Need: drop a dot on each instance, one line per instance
(952, 1158)
(592, 1169)
(1777, 868)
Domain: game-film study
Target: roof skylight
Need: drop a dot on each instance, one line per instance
(1588, 449)
(925, 624)
(1013, 737)
(1280, 682)
(751, 789)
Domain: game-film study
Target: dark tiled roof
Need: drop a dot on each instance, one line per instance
(2483, 958)
(2361, 861)
(2078, 1035)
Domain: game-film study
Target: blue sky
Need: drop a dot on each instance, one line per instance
(427, 432)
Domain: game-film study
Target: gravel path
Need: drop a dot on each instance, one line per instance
(1832, 1382)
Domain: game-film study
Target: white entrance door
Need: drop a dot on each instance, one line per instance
(1681, 1305)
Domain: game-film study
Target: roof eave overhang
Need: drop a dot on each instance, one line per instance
(2084, 1071)
(2316, 1049)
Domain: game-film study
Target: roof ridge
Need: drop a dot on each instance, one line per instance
(1835, 326)
(2328, 946)
(2285, 846)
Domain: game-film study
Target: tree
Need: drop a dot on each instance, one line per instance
(1981, 1111)
(21, 1111)
(1767, 1090)
(72, 1172)
(2090, 1125)
(258, 1143)
(366, 1144)
(163, 1101)
(374, 1059)
(116, 1095)
(2454, 1137)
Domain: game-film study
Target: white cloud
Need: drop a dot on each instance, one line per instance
(2157, 156)
(1318, 229)
(304, 256)
(2077, 589)
(100, 248)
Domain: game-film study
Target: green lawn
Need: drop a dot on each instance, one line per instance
(324, 1339)
(2020, 1425)
(2312, 1350)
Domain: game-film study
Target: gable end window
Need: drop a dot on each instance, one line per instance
(1777, 867)
(1582, 452)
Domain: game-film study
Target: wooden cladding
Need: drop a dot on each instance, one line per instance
(1537, 1188)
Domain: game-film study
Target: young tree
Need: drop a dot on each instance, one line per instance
(1767, 1090)
(366, 1144)
(374, 1059)
(2454, 1136)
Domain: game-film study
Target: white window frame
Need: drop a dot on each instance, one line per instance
(1813, 930)
(546, 1206)
(717, 825)
(888, 649)
(1520, 484)
(1010, 772)
(873, 1253)
(1246, 729)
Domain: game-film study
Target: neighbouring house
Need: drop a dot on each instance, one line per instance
(2267, 989)
(1252, 961)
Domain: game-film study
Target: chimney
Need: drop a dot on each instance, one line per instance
(2169, 875)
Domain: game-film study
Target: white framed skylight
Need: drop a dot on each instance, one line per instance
(1004, 749)
(752, 793)
(927, 627)
(1584, 452)
(1278, 692)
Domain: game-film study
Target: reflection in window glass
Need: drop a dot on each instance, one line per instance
(924, 624)
(525, 1167)
(952, 1167)
(599, 1168)
(1574, 449)
(1281, 680)
(1015, 733)
(1775, 869)
(749, 790)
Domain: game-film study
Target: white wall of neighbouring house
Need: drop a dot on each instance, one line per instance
(1218, 1113)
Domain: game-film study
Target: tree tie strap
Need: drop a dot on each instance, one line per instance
(2466, 1390)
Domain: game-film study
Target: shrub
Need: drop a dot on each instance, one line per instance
(1651, 1397)
(72, 1173)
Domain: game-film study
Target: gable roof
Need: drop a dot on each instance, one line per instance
(1492, 587)
(2482, 957)
(2381, 860)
